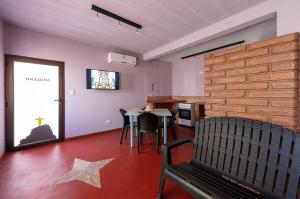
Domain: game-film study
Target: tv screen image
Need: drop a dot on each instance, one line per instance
(102, 80)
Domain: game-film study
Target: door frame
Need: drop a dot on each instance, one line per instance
(9, 100)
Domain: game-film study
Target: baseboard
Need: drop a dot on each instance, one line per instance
(91, 134)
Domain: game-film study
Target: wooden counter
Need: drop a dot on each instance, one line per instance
(164, 103)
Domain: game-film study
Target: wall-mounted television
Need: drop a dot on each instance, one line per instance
(102, 80)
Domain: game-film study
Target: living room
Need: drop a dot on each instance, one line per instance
(233, 58)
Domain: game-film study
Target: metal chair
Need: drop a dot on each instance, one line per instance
(126, 124)
(147, 122)
(170, 124)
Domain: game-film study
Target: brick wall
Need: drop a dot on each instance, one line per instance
(258, 81)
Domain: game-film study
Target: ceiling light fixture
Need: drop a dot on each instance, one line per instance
(116, 17)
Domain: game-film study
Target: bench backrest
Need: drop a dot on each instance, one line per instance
(262, 154)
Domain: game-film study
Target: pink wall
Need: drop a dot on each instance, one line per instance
(188, 77)
(288, 16)
(159, 73)
(87, 110)
(2, 107)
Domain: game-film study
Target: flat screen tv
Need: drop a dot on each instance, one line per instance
(102, 80)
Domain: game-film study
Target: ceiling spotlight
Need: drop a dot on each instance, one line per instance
(116, 17)
(137, 31)
(97, 17)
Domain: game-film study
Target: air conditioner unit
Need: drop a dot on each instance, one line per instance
(120, 59)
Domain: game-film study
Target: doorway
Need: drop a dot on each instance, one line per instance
(34, 102)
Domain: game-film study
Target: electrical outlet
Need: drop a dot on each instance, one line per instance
(108, 121)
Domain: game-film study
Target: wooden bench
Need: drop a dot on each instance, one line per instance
(237, 158)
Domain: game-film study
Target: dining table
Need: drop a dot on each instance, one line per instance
(135, 112)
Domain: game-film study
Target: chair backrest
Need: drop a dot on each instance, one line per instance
(147, 122)
(125, 118)
(264, 155)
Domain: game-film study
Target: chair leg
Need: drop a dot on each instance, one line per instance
(138, 141)
(157, 141)
(126, 131)
(161, 184)
(174, 133)
(122, 134)
(141, 139)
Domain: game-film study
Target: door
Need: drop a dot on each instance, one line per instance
(34, 102)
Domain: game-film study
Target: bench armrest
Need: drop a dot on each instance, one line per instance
(166, 149)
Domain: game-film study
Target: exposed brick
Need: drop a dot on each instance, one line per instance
(282, 66)
(247, 86)
(229, 65)
(274, 76)
(215, 74)
(285, 121)
(285, 84)
(284, 103)
(207, 68)
(260, 82)
(274, 58)
(215, 87)
(208, 81)
(247, 116)
(245, 101)
(207, 55)
(220, 94)
(272, 111)
(229, 51)
(271, 94)
(214, 60)
(281, 39)
(285, 47)
(214, 101)
(247, 54)
(207, 107)
(229, 79)
(257, 69)
(237, 71)
(247, 70)
(240, 109)
(215, 113)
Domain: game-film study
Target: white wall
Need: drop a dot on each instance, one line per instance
(2, 107)
(87, 110)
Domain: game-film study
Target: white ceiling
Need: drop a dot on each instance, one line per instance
(163, 20)
(258, 32)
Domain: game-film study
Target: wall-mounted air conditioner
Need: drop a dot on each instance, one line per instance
(120, 59)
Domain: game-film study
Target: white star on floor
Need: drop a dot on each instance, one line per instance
(84, 171)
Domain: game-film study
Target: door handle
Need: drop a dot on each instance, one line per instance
(58, 100)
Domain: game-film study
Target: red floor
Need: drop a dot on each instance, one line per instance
(27, 173)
